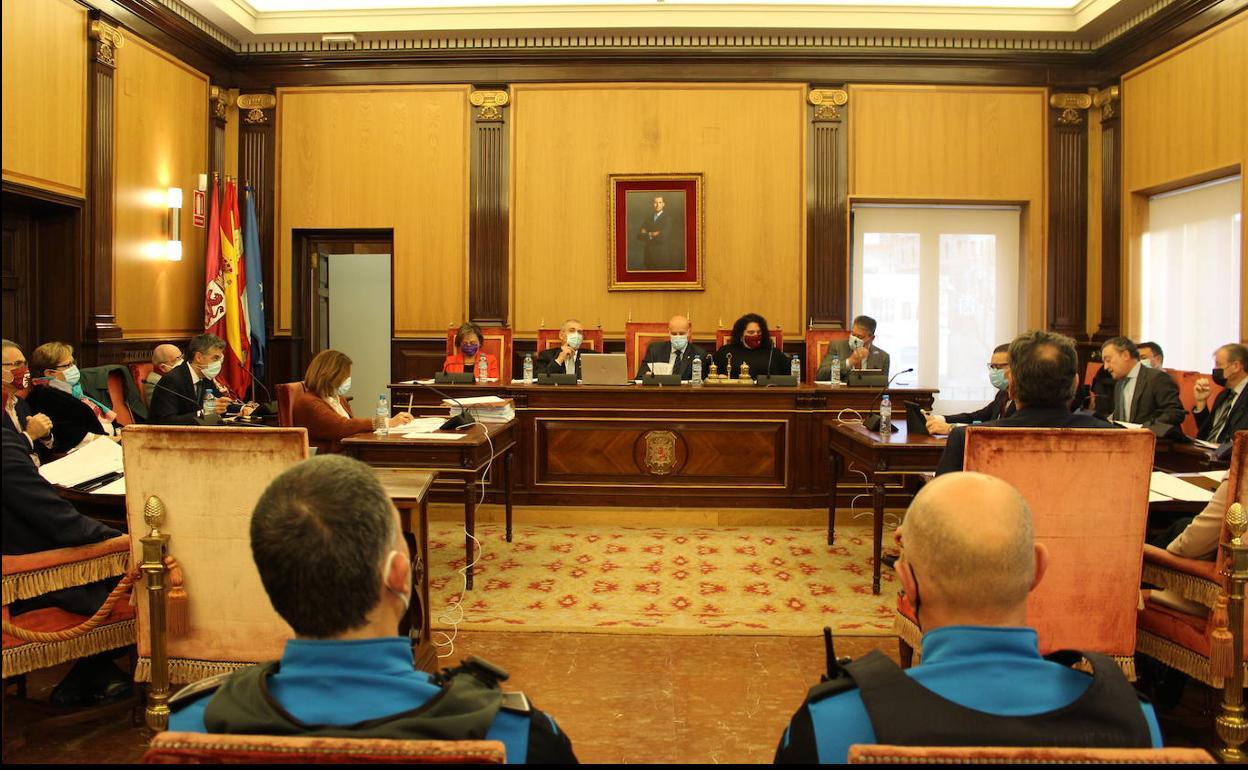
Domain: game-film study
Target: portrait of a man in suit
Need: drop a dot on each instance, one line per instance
(657, 223)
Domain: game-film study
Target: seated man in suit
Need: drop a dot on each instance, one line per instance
(857, 352)
(1000, 406)
(179, 396)
(165, 358)
(1142, 395)
(330, 551)
(35, 430)
(677, 352)
(968, 562)
(1044, 371)
(1229, 413)
(1151, 355)
(565, 359)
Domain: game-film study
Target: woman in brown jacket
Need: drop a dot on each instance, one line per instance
(322, 410)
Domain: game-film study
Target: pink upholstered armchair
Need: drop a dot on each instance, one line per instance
(1088, 493)
(870, 754)
(200, 748)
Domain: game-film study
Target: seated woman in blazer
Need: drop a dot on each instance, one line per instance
(323, 411)
(468, 351)
(57, 392)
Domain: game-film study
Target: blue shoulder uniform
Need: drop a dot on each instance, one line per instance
(975, 686)
(367, 688)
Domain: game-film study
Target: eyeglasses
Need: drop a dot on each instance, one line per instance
(18, 362)
(999, 367)
(63, 366)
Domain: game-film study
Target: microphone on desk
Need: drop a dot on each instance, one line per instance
(455, 422)
(872, 422)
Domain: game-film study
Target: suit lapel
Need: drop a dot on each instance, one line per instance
(1141, 382)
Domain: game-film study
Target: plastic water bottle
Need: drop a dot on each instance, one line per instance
(528, 367)
(210, 402)
(381, 422)
(886, 415)
(795, 368)
(836, 371)
(483, 369)
(696, 379)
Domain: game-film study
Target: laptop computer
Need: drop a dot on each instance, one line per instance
(604, 369)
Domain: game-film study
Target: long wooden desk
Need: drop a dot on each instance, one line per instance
(628, 445)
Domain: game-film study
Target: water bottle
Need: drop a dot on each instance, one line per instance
(483, 369)
(886, 415)
(210, 402)
(381, 422)
(696, 379)
(795, 368)
(528, 367)
(836, 371)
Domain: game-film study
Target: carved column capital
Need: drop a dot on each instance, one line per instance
(105, 40)
(1071, 108)
(256, 108)
(218, 103)
(1109, 102)
(827, 103)
(489, 105)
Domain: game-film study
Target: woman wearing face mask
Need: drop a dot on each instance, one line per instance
(57, 392)
(323, 408)
(751, 343)
(468, 352)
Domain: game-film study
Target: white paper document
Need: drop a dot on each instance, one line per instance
(1218, 476)
(117, 487)
(420, 425)
(660, 368)
(1154, 497)
(1126, 424)
(1177, 489)
(476, 401)
(436, 436)
(98, 458)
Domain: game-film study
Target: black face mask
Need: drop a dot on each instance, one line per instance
(1219, 377)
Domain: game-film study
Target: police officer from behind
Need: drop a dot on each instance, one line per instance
(968, 561)
(327, 543)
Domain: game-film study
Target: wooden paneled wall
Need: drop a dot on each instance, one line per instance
(948, 144)
(162, 142)
(380, 157)
(45, 94)
(1185, 117)
(747, 139)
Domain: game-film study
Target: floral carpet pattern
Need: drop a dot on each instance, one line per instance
(742, 580)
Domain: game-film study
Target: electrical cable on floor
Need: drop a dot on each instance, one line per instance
(454, 614)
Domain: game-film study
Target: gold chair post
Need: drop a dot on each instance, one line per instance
(1232, 727)
(155, 545)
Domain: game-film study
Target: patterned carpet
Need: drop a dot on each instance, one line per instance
(744, 580)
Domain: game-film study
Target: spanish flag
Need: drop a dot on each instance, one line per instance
(236, 372)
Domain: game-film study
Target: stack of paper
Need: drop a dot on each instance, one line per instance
(418, 426)
(1174, 488)
(484, 408)
(96, 460)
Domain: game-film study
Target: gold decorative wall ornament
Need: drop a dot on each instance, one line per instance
(107, 40)
(827, 102)
(488, 104)
(256, 106)
(1107, 100)
(660, 456)
(1070, 105)
(218, 102)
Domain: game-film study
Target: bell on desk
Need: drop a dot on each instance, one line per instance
(744, 373)
(712, 373)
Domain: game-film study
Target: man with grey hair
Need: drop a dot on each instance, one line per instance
(968, 561)
(565, 359)
(34, 430)
(165, 358)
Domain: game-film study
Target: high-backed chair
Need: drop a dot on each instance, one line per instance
(287, 394)
(190, 492)
(117, 393)
(724, 336)
(1187, 394)
(496, 340)
(549, 338)
(871, 754)
(139, 372)
(1088, 494)
(817, 343)
(213, 749)
(637, 337)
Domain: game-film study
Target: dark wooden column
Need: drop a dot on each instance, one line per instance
(218, 105)
(1111, 214)
(1068, 214)
(487, 234)
(257, 166)
(827, 210)
(97, 294)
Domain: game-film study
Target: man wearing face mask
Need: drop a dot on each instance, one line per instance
(857, 352)
(565, 359)
(56, 390)
(1000, 406)
(963, 532)
(165, 358)
(178, 398)
(34, 430)
(331, 554)
(674, 355)
(1229, 412)
(1151, 355)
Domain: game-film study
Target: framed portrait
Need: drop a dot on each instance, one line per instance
(655, 231)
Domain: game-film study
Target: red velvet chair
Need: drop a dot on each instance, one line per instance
(139, 373)
(871, 754)
(287, 394)
(215, 749)
(637, 337)
(1187, 394)
(724, 336)
(817, 343)
(1088, 493)
(117, 394)
(496, 341)
(549, 338)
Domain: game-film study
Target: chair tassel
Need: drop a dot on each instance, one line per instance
(1221, 666)
(177, 614)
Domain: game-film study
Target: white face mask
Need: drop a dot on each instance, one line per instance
(855, 343)
(1147, 363)
(345, 387)
(73, 375)
(212, 370)
(574, 340)
(679, 341)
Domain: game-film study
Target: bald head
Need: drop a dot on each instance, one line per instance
(969, 542)
(678, 325)
(164, 357)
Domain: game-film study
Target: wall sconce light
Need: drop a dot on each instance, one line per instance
(173, 248)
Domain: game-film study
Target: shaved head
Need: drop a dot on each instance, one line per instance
(678, 324)
(969, 541)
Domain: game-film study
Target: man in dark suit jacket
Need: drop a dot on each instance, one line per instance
(667, 351)
(660, 234)
(1044, 371)
(179, 396)
(1141, 394)
(1229, 412)
(857, 352)
(1000, 406)
(565, 359)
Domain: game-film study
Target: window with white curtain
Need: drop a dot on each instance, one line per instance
(1189, 276)
(942, 284)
